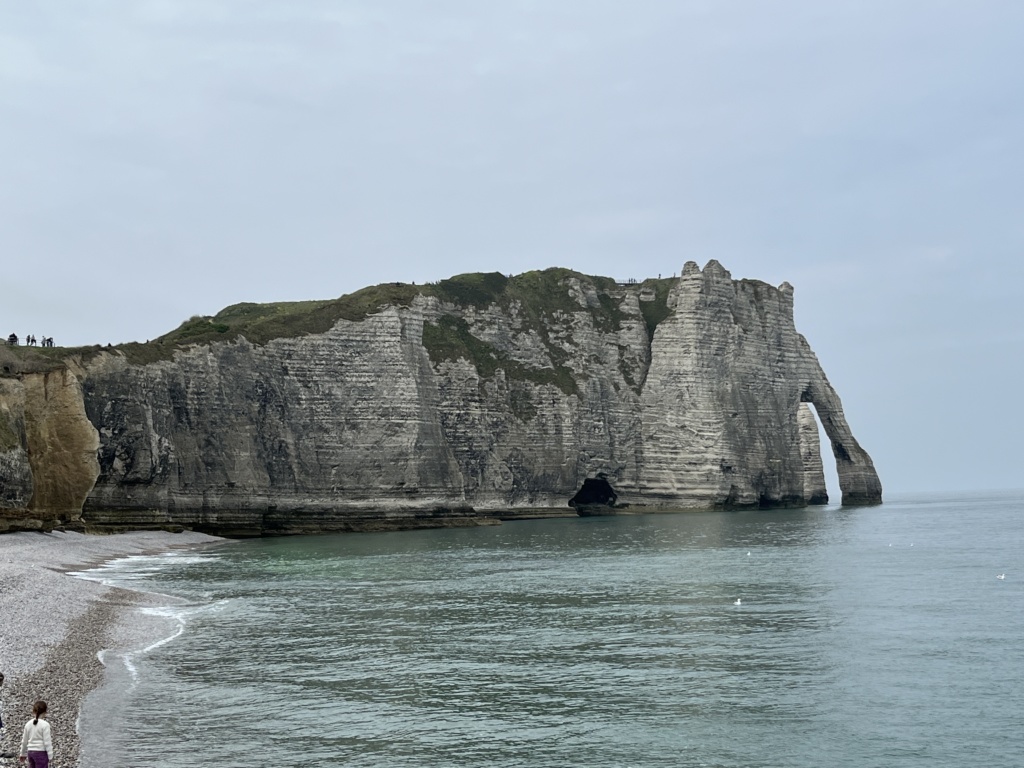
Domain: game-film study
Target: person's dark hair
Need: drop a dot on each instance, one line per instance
(39, 708)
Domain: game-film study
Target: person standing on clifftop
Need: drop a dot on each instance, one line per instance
(36, 742)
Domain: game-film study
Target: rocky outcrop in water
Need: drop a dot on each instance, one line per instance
(447, 407)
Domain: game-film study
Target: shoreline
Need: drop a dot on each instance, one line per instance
(56, 624)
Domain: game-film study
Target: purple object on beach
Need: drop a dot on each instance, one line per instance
(38, 759)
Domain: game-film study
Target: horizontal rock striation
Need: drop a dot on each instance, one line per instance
(439, 410)
(721, 404)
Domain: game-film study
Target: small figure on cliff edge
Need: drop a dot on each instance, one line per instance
(36, 741)
(13, 339)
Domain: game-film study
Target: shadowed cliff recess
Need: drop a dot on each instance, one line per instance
(596, 492)
(478, 398)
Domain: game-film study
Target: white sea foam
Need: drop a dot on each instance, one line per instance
(133, 568)
(128, 572)
(180, 615)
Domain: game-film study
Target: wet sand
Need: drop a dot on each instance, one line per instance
(53, 626)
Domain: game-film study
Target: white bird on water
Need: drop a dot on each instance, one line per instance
(1001, 576)
(737, 601)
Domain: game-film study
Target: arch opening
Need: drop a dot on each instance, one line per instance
(821, 477)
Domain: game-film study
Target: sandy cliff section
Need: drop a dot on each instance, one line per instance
(48, 447)
(62, 445)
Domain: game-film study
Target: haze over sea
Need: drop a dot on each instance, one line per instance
(864, 637)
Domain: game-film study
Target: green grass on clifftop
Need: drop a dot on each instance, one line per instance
(16, 360)
(539, 296)
(260, 323)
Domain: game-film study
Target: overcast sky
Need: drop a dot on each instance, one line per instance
(164, 159)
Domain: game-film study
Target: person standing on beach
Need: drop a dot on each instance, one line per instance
(36, 743)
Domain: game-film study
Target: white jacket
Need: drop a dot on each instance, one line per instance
(36, 738)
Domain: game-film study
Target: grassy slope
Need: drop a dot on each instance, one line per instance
(540, 295)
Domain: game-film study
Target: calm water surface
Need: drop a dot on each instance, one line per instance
(865, 637)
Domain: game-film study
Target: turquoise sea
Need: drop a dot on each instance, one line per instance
(863, 637)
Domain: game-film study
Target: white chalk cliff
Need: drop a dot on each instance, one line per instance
(447, 407)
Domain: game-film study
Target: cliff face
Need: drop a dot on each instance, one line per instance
(440, 412)
(47, 451)
(721, 410)
(16, 489)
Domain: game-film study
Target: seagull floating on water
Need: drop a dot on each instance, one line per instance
(748, 554)
(1001, 576)
(737, 601)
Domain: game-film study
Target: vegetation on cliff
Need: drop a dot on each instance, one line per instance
(450, 339)
(539, 296)
(16, 360)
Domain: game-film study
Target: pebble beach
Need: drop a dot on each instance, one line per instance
(53, 626)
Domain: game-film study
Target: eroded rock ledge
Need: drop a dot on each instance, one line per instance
(479, 399)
